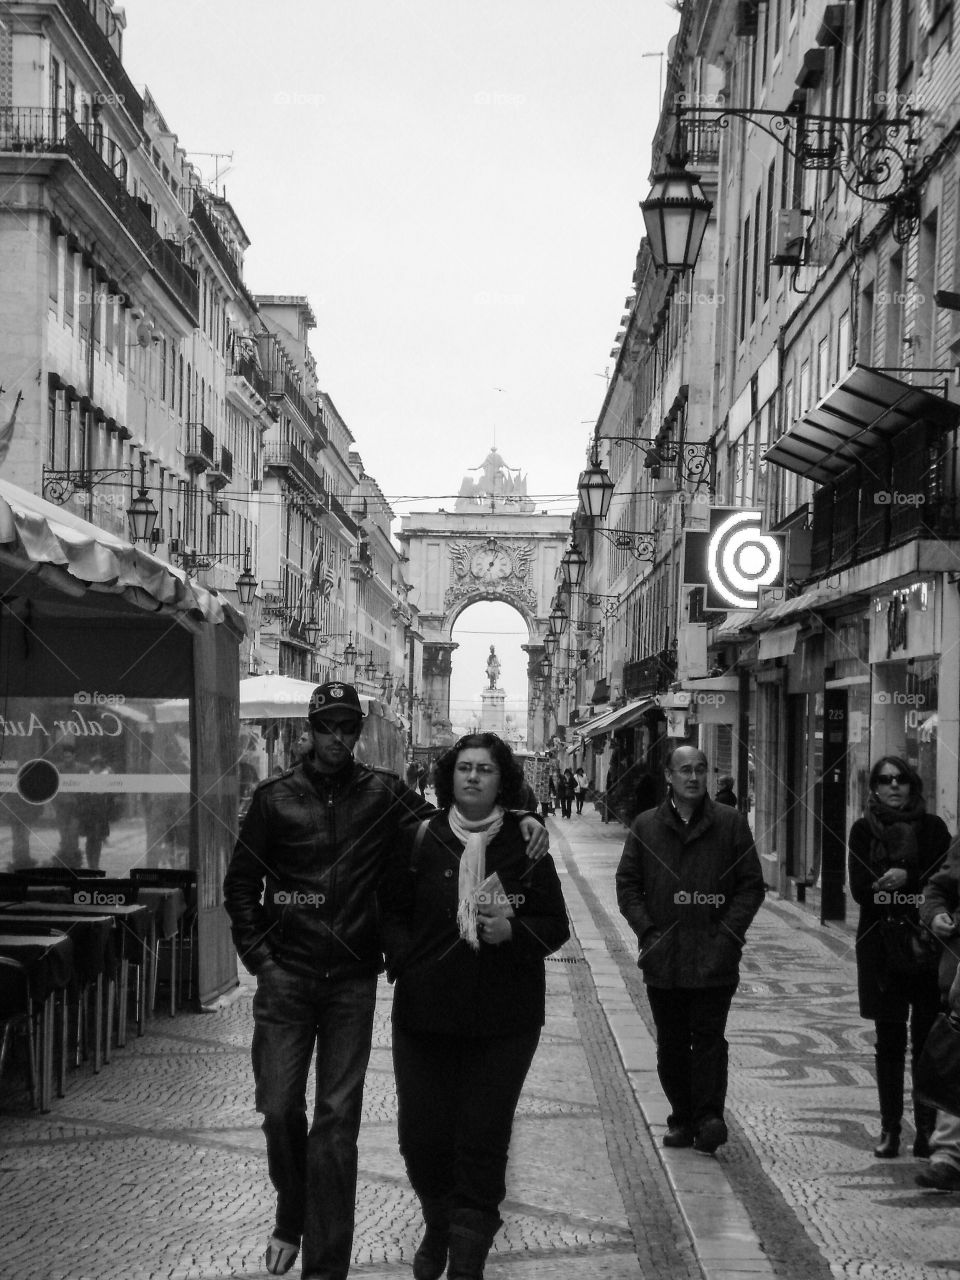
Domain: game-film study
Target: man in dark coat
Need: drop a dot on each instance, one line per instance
(689, 883)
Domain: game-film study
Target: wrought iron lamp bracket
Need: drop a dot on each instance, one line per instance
(59, 486)
(874, 157)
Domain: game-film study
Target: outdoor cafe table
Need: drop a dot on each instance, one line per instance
(133, 926)
(94, 957)
(48, 962)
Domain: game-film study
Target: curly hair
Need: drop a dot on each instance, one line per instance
(511, 774)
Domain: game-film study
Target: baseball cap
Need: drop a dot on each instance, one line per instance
(334, 701)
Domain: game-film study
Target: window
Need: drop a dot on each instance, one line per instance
(744, 263)
(843, 344)
(121, 336)
(865, 326)
(768, 233)
(69, 288)
(823, 367)
(908, 42)
(53, 272)
(754, 276)
(880, 71)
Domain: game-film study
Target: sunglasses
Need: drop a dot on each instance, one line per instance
(888, 779)
(344, 727)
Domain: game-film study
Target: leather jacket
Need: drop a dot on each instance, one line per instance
(301, 885)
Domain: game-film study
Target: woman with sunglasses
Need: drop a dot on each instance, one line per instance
(894, 849)
(467, 956)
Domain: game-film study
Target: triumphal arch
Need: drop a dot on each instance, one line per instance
(494, 545)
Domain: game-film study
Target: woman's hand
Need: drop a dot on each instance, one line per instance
(535, 835)
(493, 929)
(893, 878)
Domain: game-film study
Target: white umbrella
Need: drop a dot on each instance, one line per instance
(279, 698)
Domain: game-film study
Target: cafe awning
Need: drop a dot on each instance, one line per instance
(861, 413)
(621, 718)
(46, 545)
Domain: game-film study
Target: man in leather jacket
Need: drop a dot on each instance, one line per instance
(301, 895)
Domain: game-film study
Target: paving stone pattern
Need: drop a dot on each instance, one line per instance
(802, 1099)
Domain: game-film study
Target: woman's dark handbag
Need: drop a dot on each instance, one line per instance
(908, 948)
(937, 1076)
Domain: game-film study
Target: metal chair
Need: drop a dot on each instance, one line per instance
(16, 1014)
(180, 967)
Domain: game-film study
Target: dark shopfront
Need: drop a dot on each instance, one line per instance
(95, 635)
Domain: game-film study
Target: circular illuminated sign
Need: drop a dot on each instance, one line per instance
(741, 560)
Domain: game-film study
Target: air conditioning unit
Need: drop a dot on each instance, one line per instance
(788, 239)
(157, 537)
(256, 484)
(175, 546)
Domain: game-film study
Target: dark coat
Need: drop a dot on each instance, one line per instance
(882, 995)
(314, 846)
(444, 986)
(941, 893)
(727, 796)
(689, 894)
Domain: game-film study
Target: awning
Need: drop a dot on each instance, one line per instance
(809, 602)
(621, 718)
(75, 557)
(734, 624)
(283, 698)
(778, 643)
(864, 410)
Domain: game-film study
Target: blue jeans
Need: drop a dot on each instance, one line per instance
(314, 1172)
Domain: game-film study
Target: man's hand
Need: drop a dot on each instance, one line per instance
(942, 925)
(535, 835)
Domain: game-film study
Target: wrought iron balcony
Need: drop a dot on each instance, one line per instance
(198, 447)
(104, 166)
(221, 469)
(247, 368)
(98, 42)
(287, 458)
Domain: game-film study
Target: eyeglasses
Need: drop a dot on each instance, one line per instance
(692, 770)
(888, 779)
(342, 727)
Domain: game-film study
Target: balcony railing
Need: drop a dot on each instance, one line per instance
(201, 218)
(35, 129)
(98, 42)
(913, 493)
(199, 446)
(337, 508)
(288, 458)
(246, 367)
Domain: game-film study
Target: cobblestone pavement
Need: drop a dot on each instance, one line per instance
(155, 1167)
(802, 1100)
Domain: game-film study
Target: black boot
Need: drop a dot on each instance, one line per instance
(924, 1121)
(890, 1091)
(471, 1235)
(431, 1256)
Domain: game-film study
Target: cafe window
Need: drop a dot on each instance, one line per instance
(96, 776)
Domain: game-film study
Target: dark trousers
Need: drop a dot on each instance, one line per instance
(566, 805)
(456, 1098)
(580, 797)
(692, 1050)
(313, 1171)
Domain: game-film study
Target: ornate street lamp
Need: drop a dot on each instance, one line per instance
(595, 489)
(675, 214)
(349, 652)
(142, 515)
(572, 566)
(311, 630)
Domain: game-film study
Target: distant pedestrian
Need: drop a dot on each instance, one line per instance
(644, 793)
(689, 883)
(725, 792)
(422, 781)
(412, 776)
(894, 849)
(582, 787)
(567, 789)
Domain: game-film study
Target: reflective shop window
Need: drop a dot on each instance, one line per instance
(98, 780)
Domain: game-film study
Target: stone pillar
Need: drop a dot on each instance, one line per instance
(492, 713)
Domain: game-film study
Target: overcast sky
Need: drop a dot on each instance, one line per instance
(454, 185)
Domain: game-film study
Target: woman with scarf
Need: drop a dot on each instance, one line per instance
(467, 956)
(894, 849)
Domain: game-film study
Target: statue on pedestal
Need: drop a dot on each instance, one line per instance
(493, 668)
